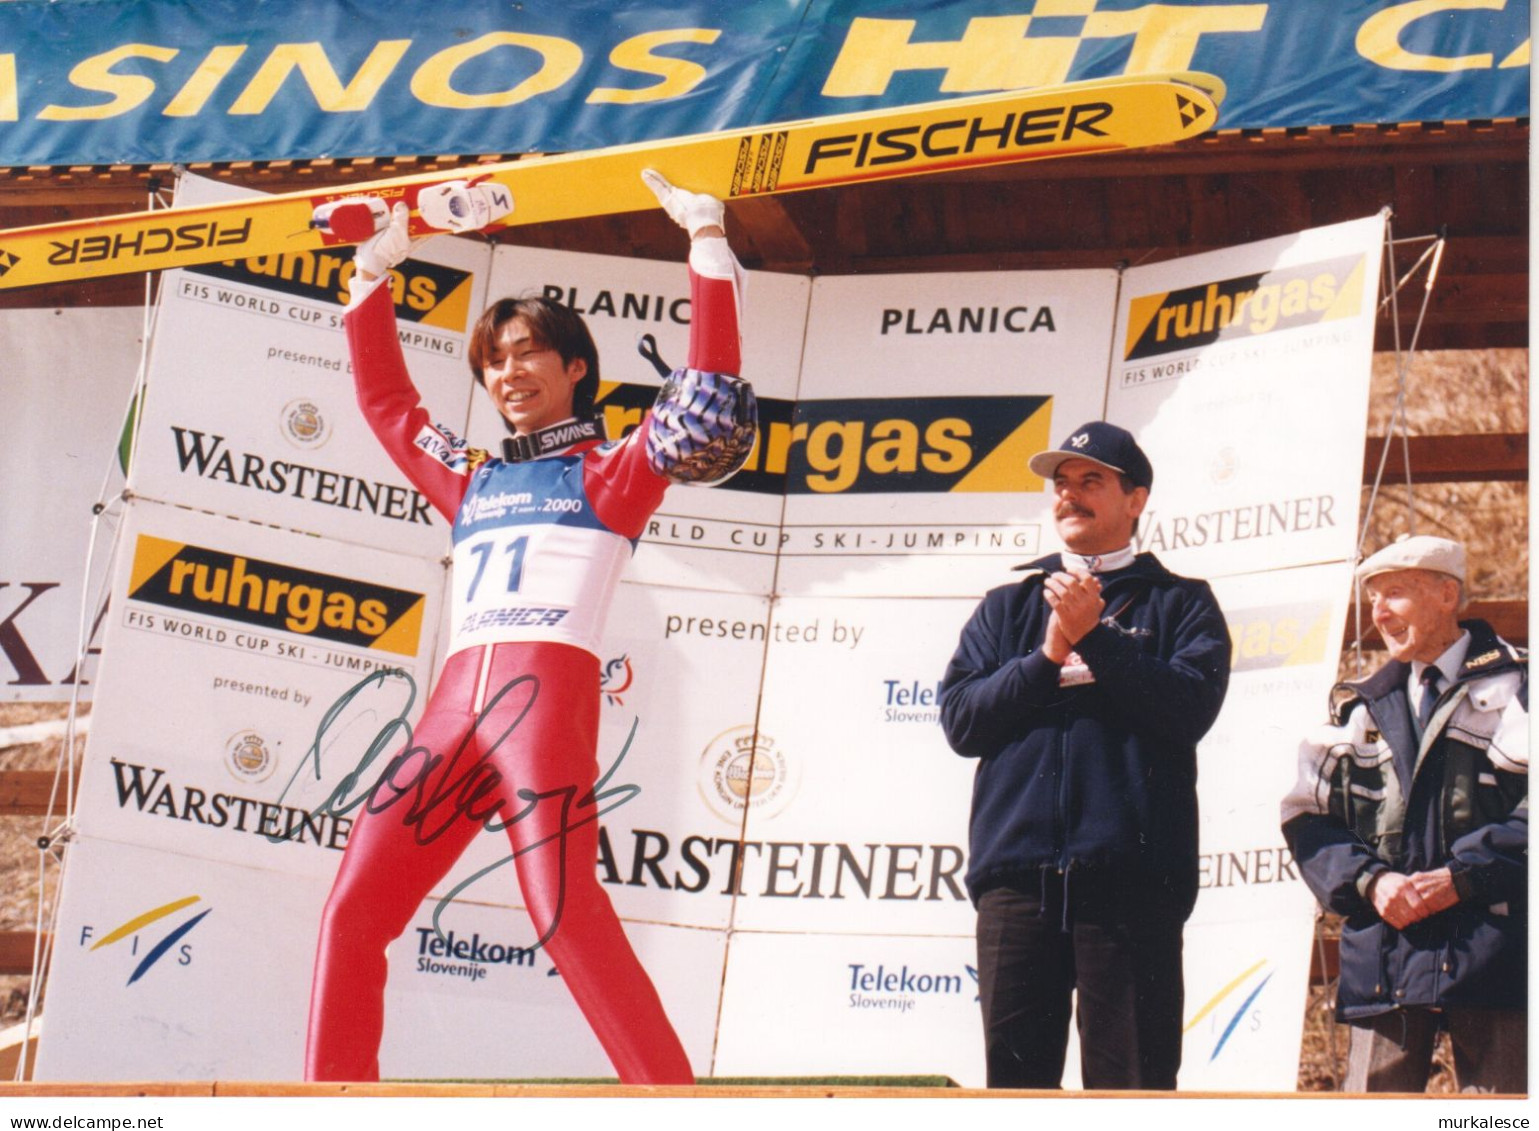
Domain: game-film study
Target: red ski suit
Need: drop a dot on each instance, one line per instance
(529, 673)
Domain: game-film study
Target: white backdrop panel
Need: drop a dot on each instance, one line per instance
(69, 375)
(212, 731)
(855, 1004)
(863, 822)
(1286, 626)
(1244, 1017)
(1245, 995)
(212, 984)
(922, 398)
(1244, 374)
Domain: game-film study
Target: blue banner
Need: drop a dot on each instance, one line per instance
(90, 82)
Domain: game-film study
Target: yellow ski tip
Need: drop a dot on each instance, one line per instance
(1211, 85)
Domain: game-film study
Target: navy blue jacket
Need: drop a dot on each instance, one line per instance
(1099, 775)
(1370, 798)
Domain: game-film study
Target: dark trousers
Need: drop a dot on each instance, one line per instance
(1119, 954)
(1393, 1052)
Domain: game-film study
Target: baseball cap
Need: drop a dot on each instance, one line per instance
(1101, 443)
(1424, 551)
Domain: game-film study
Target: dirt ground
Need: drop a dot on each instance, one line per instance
(1463, 392)
(19, 855)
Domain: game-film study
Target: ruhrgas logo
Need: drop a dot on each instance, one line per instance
(870, 444)
(430, 294)
(1245, 306)
(1278, 636)
(196, 579)
(162, 945)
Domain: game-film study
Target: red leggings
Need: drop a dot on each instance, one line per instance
(387, 871)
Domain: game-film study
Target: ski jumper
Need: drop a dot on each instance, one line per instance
(510, 731)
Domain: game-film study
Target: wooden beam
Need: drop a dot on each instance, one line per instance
(772, 232)
(1325, 961)
(25, 793)
(1490, 457)
(1459, 336)
(16, 948)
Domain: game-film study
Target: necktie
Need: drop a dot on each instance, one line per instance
(1430, 678)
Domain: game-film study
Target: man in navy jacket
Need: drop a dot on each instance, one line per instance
(1082, 691)
(1410, 819)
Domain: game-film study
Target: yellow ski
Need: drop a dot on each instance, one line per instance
(969, 132)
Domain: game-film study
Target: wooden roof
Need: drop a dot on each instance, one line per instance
(1468, 180)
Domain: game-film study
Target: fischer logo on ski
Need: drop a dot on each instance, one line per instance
(149, 241)
(758, 163)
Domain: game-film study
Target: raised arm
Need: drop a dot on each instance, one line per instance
(704, 423)
(436, 461)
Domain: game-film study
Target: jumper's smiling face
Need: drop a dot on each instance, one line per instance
(528, 382)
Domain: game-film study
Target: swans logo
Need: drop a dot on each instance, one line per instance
(617, 680)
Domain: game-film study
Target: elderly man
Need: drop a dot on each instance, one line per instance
(1410, 818)
(1082, 691)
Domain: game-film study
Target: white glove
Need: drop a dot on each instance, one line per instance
(689, 210)
(387, 247)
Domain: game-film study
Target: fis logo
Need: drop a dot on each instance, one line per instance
(195, 579)
(157, 950)
(1244, 307)
(429, 294)
(867, 445)
(1222, 1024)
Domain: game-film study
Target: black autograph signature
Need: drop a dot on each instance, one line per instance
(472, 791)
